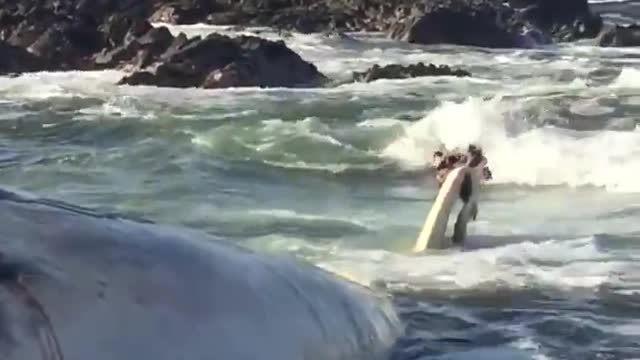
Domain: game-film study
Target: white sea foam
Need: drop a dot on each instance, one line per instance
(520, 153)
(628, 78)
(338, 57)
(45, 85)
(564, 265)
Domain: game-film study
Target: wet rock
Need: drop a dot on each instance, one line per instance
(486, 23)
(70, 27)
(139, 46)
(183, 12)
(619, 36)
(459, 23)
(532, 38)
(232, 75)
(565, 20)
(305, 16)
(14, 59)
(67, 46)
(225, 18)
(395, 71)
(25, 34)
(88, 34)
(219, 61)
(66, 34)
(114, 30)
(469, 22)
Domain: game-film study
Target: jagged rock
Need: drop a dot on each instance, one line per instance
(232, 75)
(470, 22)
(88, 34)
(138, 48)
(305, 15)
(65, 34)
(225, 18)
(487, 23)
(25, 34)
(619, 36)
(565, 20)
(67, 46)
(14, 59)
(459, 23)
(183, 12)
(114, 30)
(219, 61)
(395, 71)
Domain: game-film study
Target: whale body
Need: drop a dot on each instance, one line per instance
(78, 285)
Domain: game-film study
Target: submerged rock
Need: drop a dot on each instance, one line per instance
(395, 71)
(619, 36)
(218, 61)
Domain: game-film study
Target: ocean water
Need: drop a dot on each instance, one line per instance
(340, 177)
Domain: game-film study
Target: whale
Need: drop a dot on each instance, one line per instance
(461, 182)
(78, 284)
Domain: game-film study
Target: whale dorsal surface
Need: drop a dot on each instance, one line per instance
(76, 285)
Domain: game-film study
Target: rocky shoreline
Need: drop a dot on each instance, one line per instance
(59, 35)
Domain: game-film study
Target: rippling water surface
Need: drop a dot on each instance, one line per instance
(340, 177)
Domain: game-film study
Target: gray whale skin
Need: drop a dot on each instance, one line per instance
(79, 285)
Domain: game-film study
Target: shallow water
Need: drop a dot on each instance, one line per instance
(339, 176)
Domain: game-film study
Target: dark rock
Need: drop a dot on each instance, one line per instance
(137, 49)
(25, 34)
(89, 34)
(156, 39)
(183, 12)
(304, 16)
(395, 71)
(219, 61)
(140, 78)
(565, 20)
(14, 59)
(138, 28)
(619, 36)
(487, 23)
(52, 45)
(225, 18)
(114, 30)
(66, 46)
(459, 23)
(114, 57)
(468, 22)
(67, 34)
(101, 9)
(119, 22)
(178, 43)
(232, 75)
